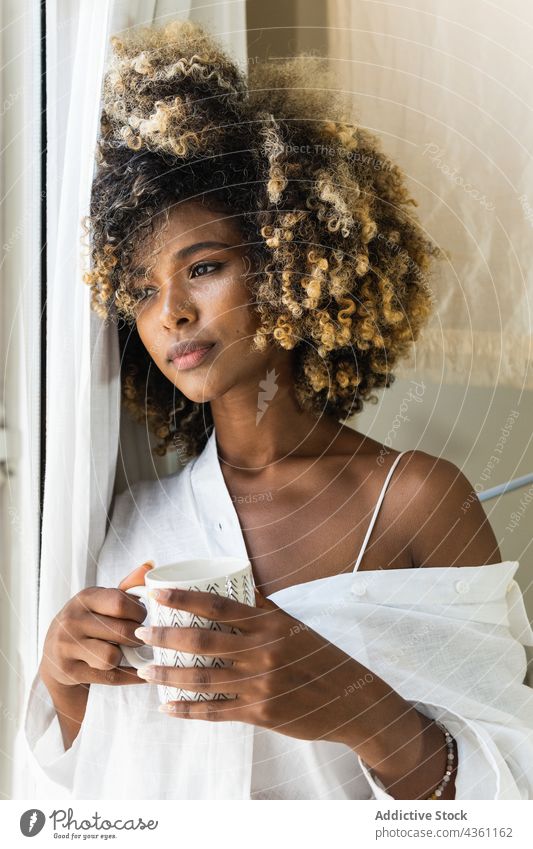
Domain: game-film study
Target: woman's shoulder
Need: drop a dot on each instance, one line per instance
(430, 508)
(444, 519)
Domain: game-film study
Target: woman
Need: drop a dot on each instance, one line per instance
(266, 273)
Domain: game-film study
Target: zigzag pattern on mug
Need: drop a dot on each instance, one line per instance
(237, 589)
(172, 694)
(171, 657)
(170, 617)
(240, 588)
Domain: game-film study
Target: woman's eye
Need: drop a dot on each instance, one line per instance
(142, 294)
(198, 270)
(200, 265)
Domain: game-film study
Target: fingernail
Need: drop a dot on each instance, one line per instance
(167, 708)
(154, 594)
(146, 672)
(142, 634)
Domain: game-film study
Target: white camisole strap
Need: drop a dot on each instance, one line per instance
(376, 509)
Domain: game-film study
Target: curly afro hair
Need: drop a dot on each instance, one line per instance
(340, 262)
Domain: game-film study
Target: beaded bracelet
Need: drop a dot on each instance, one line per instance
(451, 757)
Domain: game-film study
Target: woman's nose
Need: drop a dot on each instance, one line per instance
(177, 308)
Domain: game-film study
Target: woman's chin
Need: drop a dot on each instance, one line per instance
(199, 392)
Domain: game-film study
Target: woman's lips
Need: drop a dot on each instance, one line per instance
(192, 359)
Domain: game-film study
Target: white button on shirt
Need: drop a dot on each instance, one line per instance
(461, 662)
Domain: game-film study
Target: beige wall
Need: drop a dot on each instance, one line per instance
(286, 27)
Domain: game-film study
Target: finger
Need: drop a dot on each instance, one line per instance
(82, 673)
(136, 578)
(99, 654)
(214, 606)
(111, 602)
(197, 641)
(112, 630)
(201, 679)
(214, 710)
(197, 678)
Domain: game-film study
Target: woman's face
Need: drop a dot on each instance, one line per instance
(196, 293)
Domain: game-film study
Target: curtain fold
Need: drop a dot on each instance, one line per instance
(447, 88)
(83, 422)
(20, 392)
(73, 393)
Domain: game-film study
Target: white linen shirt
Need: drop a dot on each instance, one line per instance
(450, 640)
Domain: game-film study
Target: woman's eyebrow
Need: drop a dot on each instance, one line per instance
(198, 246)
(184, 253)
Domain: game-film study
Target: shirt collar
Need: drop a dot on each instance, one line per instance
(213, 504)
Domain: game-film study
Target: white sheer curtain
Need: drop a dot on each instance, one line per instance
(20, 308)
(447, 86)
(83, 385)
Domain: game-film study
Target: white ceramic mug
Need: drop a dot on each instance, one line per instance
(228, 576)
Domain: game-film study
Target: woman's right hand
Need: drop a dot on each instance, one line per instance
(81, 646)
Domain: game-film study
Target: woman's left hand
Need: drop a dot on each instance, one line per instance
(284, 676)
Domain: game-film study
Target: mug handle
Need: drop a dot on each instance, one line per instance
(131, 654)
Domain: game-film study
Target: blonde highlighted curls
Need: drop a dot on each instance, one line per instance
(340, 263)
